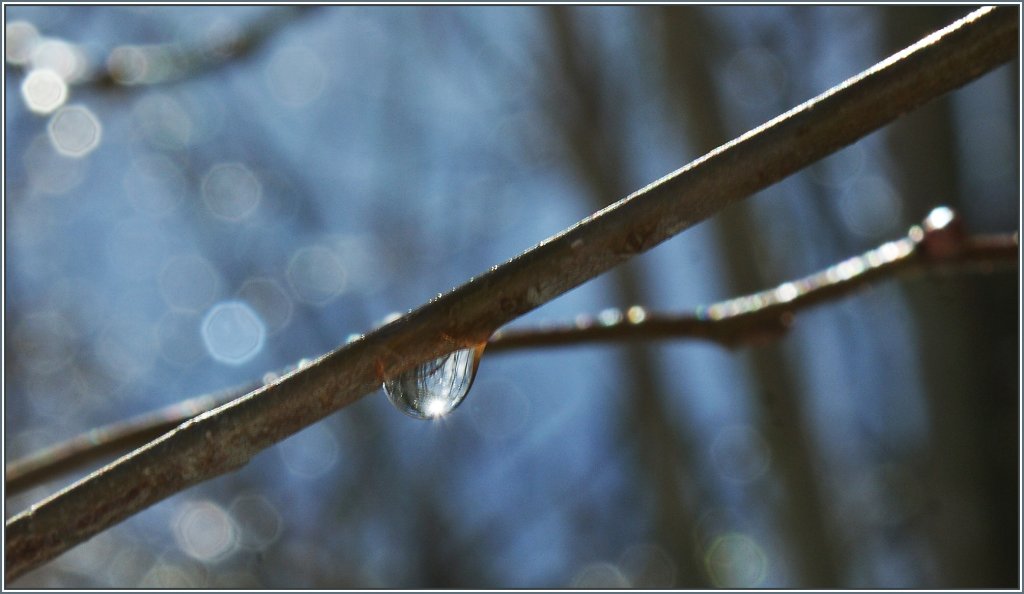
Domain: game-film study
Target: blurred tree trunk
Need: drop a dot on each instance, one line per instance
(690, 43)
(663, 455)
(966, 358)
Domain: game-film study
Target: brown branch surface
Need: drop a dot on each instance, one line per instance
(110, 440)
(224, 439)
(752, 320)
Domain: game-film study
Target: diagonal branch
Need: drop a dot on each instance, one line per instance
(751, 320)
(755, 319)
(224, 439)
(110, 440)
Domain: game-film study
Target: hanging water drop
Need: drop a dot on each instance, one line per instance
(435, 388)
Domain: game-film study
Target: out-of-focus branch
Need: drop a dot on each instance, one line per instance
(751, 320)
(137, 65)
(224, 439)
(110, 440)
(134, 65)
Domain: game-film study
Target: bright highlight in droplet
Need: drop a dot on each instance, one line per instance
(232, 332)
(43, 91)
(435, 388)
(436, 407)
(74, 131)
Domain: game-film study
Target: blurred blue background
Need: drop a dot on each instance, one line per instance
(195, 196)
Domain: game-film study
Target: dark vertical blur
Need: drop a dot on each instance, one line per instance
(970, 368)
(693, 39)
(585, 110)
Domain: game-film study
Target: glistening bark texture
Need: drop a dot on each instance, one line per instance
(104, 443)
(764, 319)
(227, 437)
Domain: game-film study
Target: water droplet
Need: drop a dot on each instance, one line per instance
(943, 234)
(636, 314)
(609, 317)
(391, 317)
(435, 388)
(787, 292)
(939, 218)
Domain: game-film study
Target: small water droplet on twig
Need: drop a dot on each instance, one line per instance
(433, 389)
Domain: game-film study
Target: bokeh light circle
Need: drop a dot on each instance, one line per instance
(205, 531)
(270, 299)
(231, 191)
(43, 91)
(316, 274)
(257, 520)
(189, 282)
(20, 37)
(599, 576)
(232, 332)
(75, 131)
(734, 560)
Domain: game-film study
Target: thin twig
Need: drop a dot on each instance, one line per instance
(110, 440)
(761, 317)
(746, 321)
(224, 439)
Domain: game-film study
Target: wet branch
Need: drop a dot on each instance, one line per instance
(751, 320)
(757, 319)
(225, 438)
